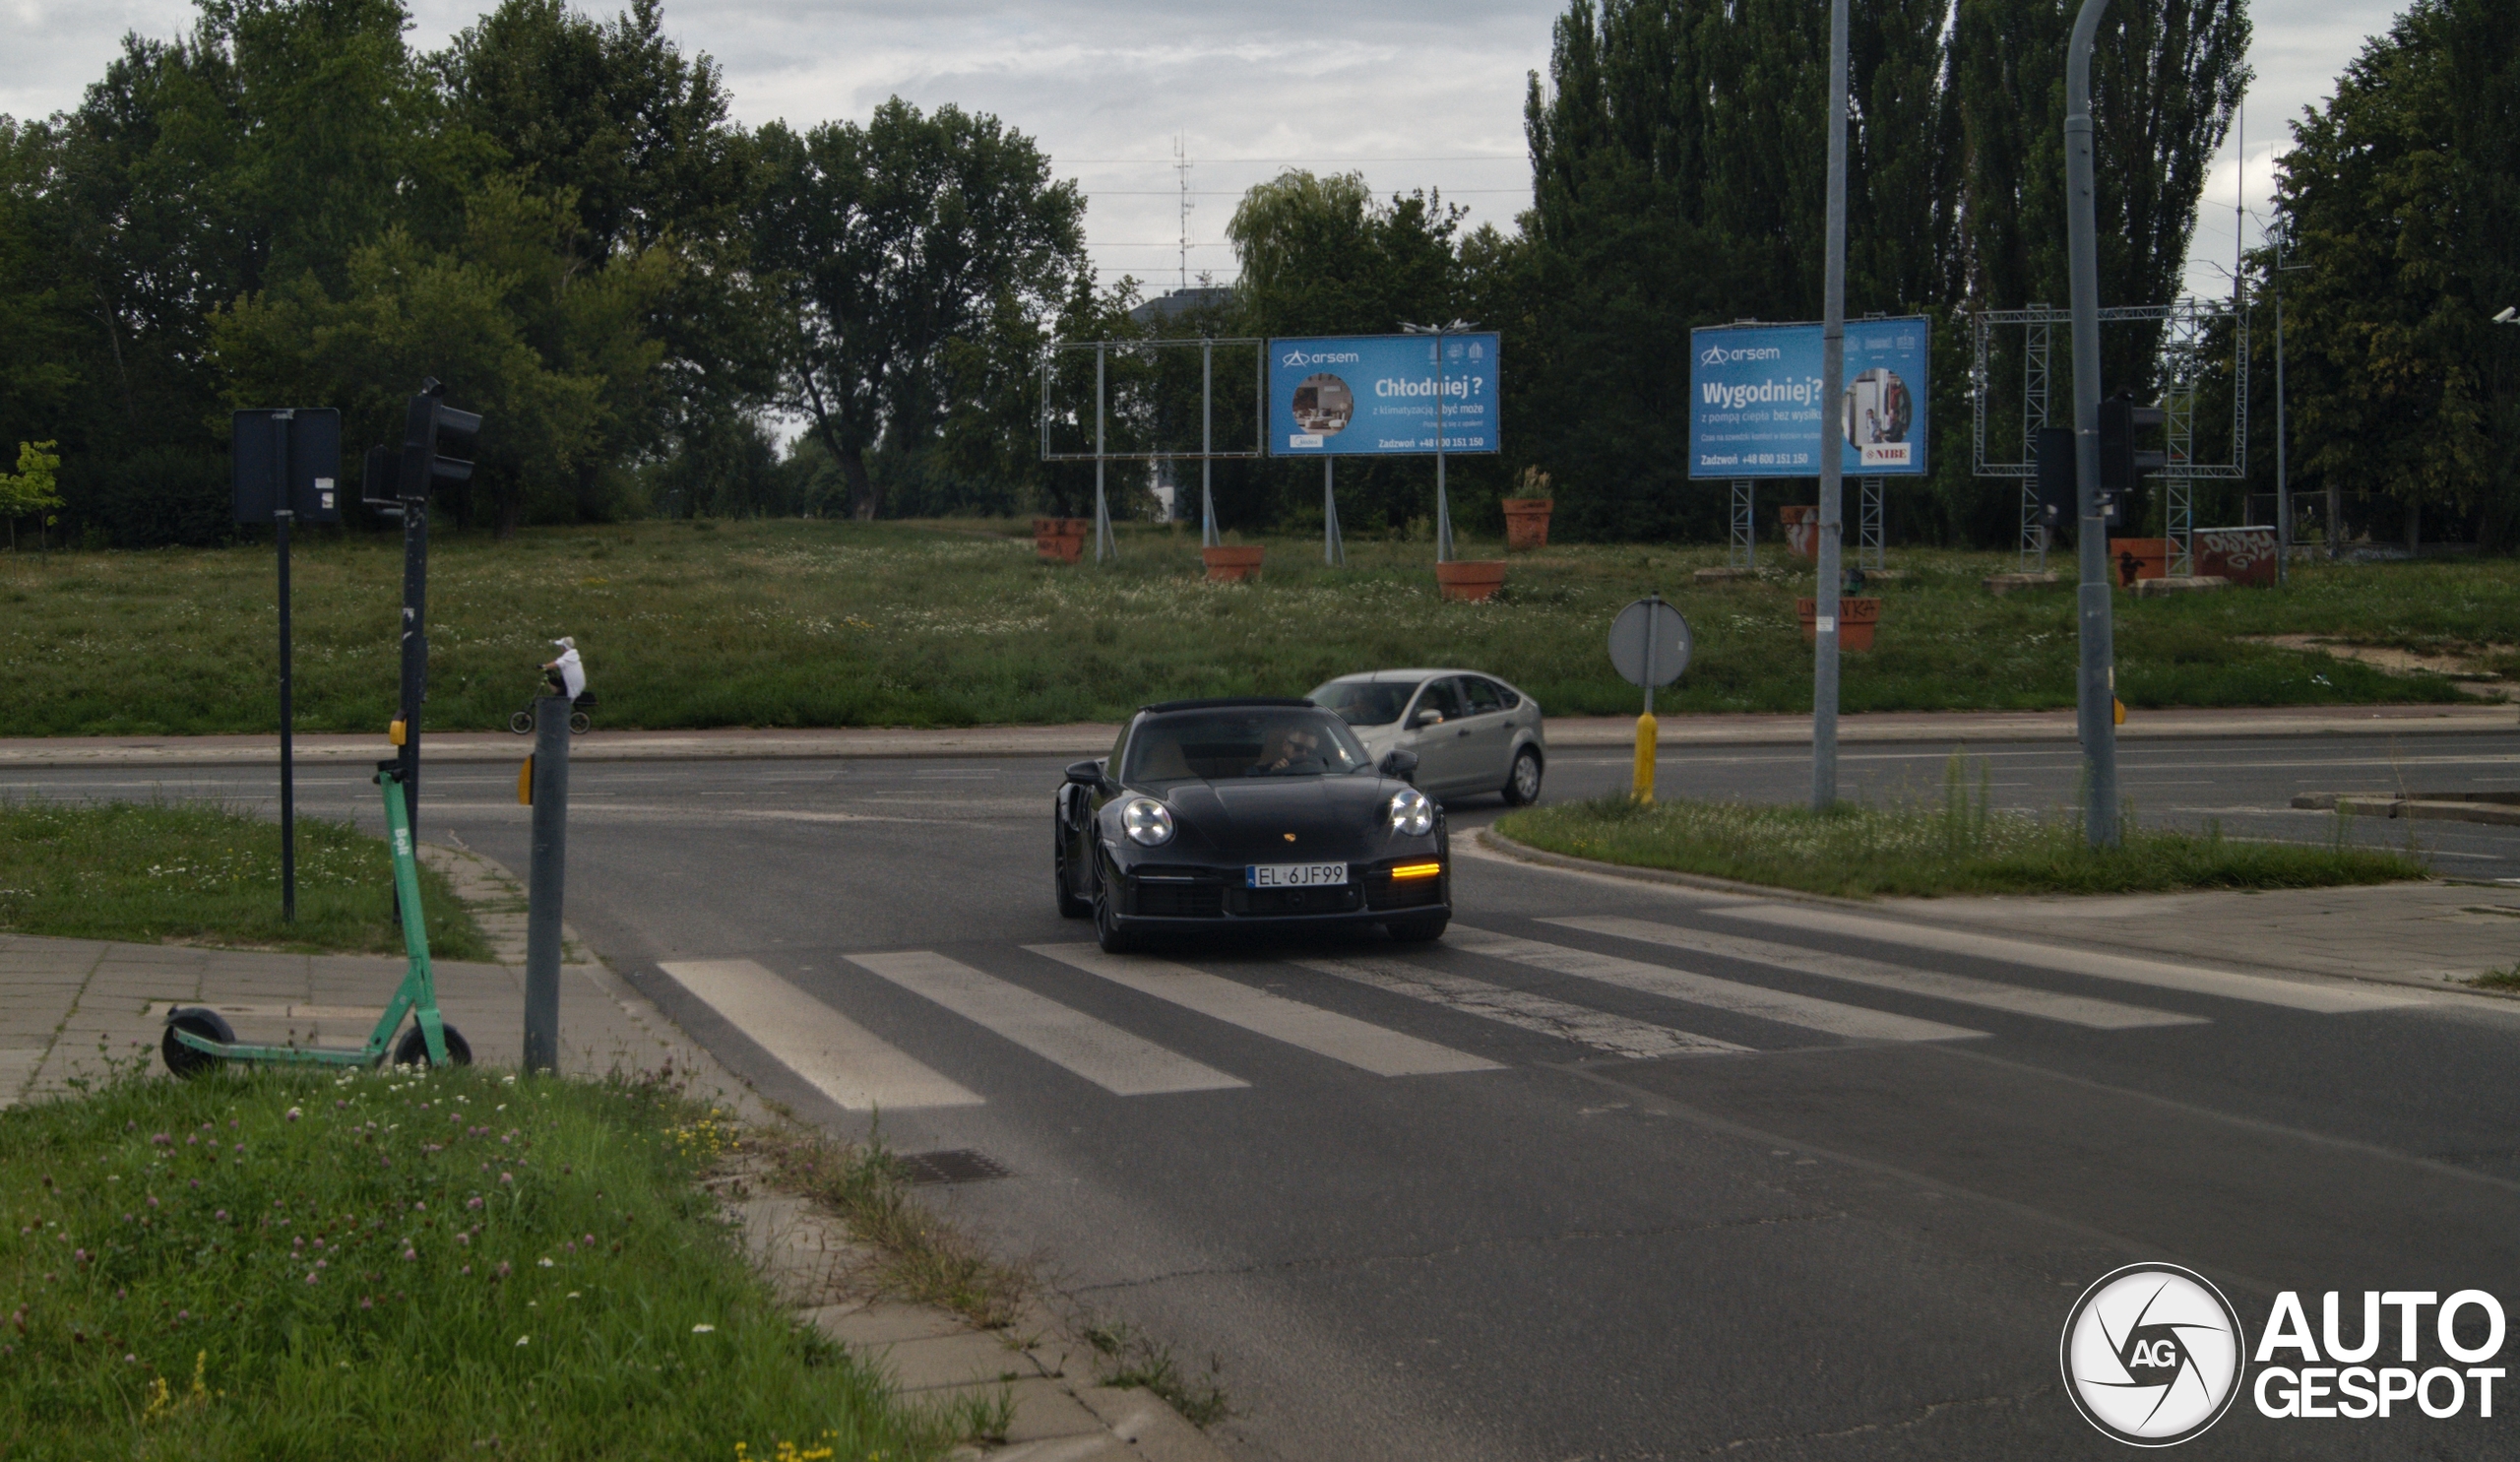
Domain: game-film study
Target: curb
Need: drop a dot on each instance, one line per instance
(1505, 846)
(1088, 738)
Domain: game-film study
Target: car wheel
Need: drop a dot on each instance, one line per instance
(1070, 906)
(1424, 929)
(1106, 920)
(1522, 783)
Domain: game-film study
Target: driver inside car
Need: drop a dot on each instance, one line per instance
(1290, 749)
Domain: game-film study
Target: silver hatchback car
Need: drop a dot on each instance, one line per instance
(1471, 733)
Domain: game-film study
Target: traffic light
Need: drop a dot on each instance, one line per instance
(429, 428)
(2121, 464)
(2058, 507)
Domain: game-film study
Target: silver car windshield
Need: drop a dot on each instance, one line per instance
(1218, 745)
(1364, 702)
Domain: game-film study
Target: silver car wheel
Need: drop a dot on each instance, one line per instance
(1523, 789)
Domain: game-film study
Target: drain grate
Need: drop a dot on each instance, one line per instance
(960, 1165)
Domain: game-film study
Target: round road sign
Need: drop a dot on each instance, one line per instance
(1650, 643)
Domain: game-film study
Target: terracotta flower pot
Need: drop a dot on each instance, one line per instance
(1471, 580)
(2130, 560)
(1527, 522)
(1232, 563)
(1857, 619)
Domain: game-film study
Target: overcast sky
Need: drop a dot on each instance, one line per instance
(1410, 92)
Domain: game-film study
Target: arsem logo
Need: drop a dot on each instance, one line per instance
(1319, 357)
(2152, 1355)
(1718, 355)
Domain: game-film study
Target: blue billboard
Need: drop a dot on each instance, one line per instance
(1757, 406)
(1377, 395)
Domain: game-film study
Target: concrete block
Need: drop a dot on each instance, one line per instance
(2187, 584)
(1095, 1446)
(883, 1324)
(966, 1359)
(1143, 1421)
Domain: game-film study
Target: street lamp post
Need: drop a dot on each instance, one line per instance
(2283, 478)
(1443, 504)
(2096, 692)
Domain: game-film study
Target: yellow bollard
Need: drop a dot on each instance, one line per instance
(1645, 758)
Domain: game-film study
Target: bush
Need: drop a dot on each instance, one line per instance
(160, 497)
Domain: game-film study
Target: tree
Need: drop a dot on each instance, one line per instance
(891, 241)
(30, 488)
(2400, 200)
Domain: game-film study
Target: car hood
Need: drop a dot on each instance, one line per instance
(1331, 817)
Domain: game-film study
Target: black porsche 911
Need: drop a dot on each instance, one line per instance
(1242, 813)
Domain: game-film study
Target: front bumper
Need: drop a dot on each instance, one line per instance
(1190, 897)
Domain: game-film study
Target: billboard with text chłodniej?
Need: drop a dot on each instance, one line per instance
(1340, 396)
(1757, 409)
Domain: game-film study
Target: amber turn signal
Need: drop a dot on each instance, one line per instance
(1416, 870)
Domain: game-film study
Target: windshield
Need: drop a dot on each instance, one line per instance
(1256, 742)
(1364, 702)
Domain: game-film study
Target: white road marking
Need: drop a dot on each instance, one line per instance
(2298, 994)
(835, 1056)
(1327, 1033)
(1616, 1033)
(2100, 1015)
(1851, 1021)
(1105, 1054)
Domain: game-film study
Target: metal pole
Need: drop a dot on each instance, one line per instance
(1833, 369)
(1102, 545)
(1443, 505)
(288, 746)
(1207, 444)
(1334, 549)
(544, 882)
(2283, 484)
(1647, 732)
(416, 649)
(2097, 688)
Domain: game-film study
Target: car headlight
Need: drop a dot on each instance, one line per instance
(1148, 822)
(1412, 813)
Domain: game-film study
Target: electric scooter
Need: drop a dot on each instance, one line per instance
(199, 1038)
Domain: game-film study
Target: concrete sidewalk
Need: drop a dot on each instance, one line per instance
(1090, 738)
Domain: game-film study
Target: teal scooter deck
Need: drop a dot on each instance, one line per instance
(198, 1039)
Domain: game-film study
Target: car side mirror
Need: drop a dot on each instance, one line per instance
(1086, 773)
(1425, 718)
(1400, 764)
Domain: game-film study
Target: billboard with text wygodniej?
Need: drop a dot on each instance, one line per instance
(1382, 394)
(1757, 410)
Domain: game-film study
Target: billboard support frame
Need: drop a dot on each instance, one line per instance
(1106, 544)
(2183, 358)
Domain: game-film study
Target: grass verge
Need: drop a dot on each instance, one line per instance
(1960, 845)
(276, 1265)
(197, 874)
(792, 622)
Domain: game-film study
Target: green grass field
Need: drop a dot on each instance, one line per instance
(197, 873)
(400, 1265)
(790, 623)
(1958, 845)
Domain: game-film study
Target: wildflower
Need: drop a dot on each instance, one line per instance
(220, 1215)
(153, 1200)
(704, 1329)
(463, 1238)
(294, 1114)
(418, 1207)
(410, 1254)
(475, 1203)
(573, 1294)
(508, 1178)
(522, 1339)
(544, 1261)
(310, 1276)
(468, 1269)
(503, 1269)
(130, 1359)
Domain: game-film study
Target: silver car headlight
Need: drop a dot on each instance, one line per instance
(1412, 813)
(1148, 822)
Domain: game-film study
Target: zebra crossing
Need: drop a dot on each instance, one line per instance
(1584, 1002)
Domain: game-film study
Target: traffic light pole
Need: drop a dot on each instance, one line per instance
(1833, 374)
(2097, 699)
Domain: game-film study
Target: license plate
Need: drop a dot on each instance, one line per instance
(1293, 875)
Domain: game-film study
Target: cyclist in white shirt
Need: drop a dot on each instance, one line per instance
(568, 674)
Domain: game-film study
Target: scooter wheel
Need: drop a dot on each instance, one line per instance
(414, 1049)
(579, 720)
(522, 723)
(181, 1059)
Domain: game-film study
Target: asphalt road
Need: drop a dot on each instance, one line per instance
(1681, 1186)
